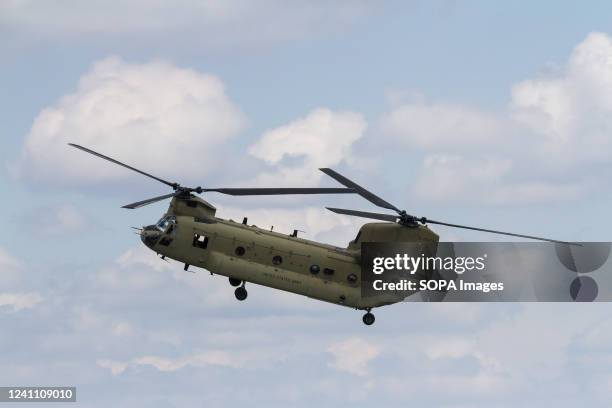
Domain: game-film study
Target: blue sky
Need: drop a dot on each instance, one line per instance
(468, 112)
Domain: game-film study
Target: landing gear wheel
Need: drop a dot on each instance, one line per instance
(235, 281)
(368, 319)
(241, 293)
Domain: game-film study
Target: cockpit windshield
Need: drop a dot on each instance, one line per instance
(166, 223)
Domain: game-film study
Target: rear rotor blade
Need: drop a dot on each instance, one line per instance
(278, 191)
(371, 197)
(148, 201)
(428, 221)
(173, 185)
(364, 214)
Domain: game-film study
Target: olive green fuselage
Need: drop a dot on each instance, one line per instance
(194, 236)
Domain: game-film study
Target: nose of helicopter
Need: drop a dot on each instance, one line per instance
(150, 235)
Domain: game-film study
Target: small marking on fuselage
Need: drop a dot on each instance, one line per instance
(283, 278)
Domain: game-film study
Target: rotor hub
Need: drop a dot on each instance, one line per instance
(407, 219)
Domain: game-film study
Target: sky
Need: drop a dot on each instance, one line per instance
(469, 112)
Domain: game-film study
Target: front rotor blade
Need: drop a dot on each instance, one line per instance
(371, 197)
(148, 201)
(364, 214)
(428, 221)
(173, 185)
(278, 191)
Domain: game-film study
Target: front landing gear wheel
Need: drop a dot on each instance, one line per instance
(368, 319)
(235, 282)
(241, 293)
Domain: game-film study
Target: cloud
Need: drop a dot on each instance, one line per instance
(166, 332)
(571, 112)
(430, 126)
(539, 339)
(11, 269)
(141, 256)
(444, 175)
(487, 180)
(209, 23)
(116, 367)
(13, 292)
(201, 359)
(8, 262)
(172, 333)
(322, 138)
(553, 112)
(70, 219)
(167, 120)
(57, 220)
(19, 301)
(552, 143)
(122, 329)
(353, 355)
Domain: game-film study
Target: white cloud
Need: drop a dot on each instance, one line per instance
(57, 220)
(141, 256)
(554, 113)
(70, 219)
(545, 147)
(460, 347)
(444, 175)
(146, 270)
(322, 138)
(116, 367)
(353, 355)
(434, 125)
(8, 262)
(537, 338)
(210, 23)
(122, 329)
(571, 111)
(11, 269)
(201, 359)
(485, 180)
(164, 119)
(13, 295)
(19, 301)
(212, 357)
(450, 347)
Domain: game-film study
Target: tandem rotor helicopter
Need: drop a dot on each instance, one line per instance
(190, 233)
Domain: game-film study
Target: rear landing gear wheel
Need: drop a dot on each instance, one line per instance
(235, 281)
(368, 319)
(241, 293)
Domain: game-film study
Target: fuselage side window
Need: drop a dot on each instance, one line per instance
(200, 241)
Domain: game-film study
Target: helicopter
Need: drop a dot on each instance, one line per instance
(191, 233)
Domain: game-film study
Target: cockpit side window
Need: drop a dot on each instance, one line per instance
(161, 224)
(166, 224)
